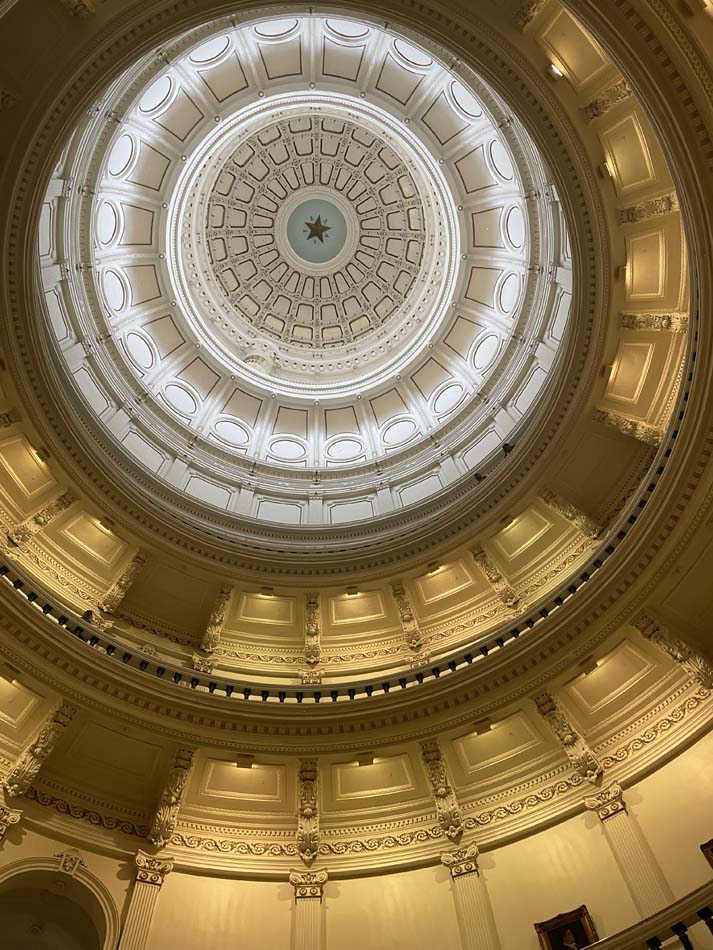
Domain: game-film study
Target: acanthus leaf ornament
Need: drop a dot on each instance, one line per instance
(308, 885)
(448, 811)
(152, 870)
(312, 629)
(696, 665)
(576, 749)
(461, 861)
(164, 822)
(308, 836)
(409, 625)
(214, 627)
(27, 767)
(493, 576)
(608, 802)
(8, 818)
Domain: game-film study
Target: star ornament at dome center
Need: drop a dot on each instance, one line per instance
(317, 229)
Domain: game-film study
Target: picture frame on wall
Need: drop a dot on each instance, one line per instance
(568, 931)
(707, 849)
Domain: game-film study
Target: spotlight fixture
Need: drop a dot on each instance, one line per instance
(554, 71)
(482, 726)
(244, 761)
(365, 758)
(588, 665)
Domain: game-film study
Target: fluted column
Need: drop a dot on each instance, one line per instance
(166, 816)
(150, 875)
(493, 576)
(8, 818)
(308, 810)
(586, 525)
(448, 810)
(27, 767)
(650, 435)
(470, 895)
(23, 532)
(214, 627)
(578, 752)
(697, 666)
(308, 917)
(116, 593)
(404, 606)
(642, 875)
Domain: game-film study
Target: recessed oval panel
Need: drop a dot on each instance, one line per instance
(156, 94)
(121, 155)
(398, 432)
(501, 160)
(412, 54)
(107, 223)
(114, 290)
(181, 400)
(287, 449)
(274, 28)
(486, 351)
(231, 432)
(139, 350)
(343, 450)
(509, 293)
(515, 227)
(347, 29)
(211, 50)
(465, 100)
(448, 398)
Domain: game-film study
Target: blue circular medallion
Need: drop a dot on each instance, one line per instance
(316, 230)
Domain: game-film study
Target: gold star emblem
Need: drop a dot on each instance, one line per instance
(317, 229)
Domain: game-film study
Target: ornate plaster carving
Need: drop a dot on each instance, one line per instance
(650, 208)
(22, 533)
(310, 677)
(462, 861)
(313, 628)
(70, 861)
(79, 8)
(583, 522)
(696, 666)
(7, 101)
(673, 322)
(118, 590)
(152, 870)
(496, 580)
(27, 767)
(308, 885)
(8, 818)
(577, 750)
(82, 813)
(608, 802)
(164, 822)
(643, 431)
(214, 627)
(447, 809)
(526, 12)
(308, 836)
(411, 629)
(608, 99)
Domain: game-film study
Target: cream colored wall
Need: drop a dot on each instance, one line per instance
(204, 913)
(409, 911)
(674, 809)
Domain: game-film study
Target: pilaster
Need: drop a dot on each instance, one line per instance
(470, 895)
(150, 875)
(308, 917)
(8, 818)
(642, 875)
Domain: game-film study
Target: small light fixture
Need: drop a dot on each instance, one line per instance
(42, 454)
(588, 665)
(9, 673)
(554, 71)
(106, 523)
(434, 567)
(352, 591)
(365, 758)
(620, 272)
(267, 592)
(604, 169)
(482, 726)
(244, 761)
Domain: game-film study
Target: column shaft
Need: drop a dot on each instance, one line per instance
(638, 866)
(475, 915)
(138, 921)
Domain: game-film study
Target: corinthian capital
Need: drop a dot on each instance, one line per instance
(462, 861)
(27, 767)
(152, 870)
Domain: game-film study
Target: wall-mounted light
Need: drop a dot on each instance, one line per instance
(267, 592)
(244, 761)
(9, 673)
(106, 523)
(605, 170)
(41, 454)
(365, 758)
(434, 567)
(482, 726)
(352, 591)
(588, 665)
(554, 71)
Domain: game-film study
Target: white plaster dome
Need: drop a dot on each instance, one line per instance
(290, 378)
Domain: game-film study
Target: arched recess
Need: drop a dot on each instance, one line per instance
(78, 886)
